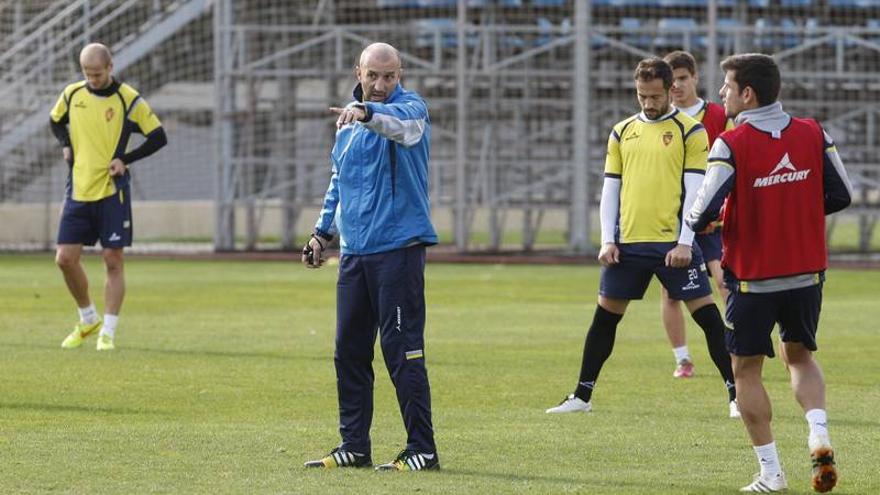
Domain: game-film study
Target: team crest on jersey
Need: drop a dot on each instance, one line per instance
(109, 114)
(667, 138)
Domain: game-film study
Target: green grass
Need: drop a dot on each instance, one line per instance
(223, 382)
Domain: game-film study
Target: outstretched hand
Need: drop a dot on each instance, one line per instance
(348, 115)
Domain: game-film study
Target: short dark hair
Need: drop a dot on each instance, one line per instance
(654, 68)
(757, 71)
(680, 59)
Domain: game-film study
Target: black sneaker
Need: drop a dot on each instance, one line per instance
(341, 458)
(410, 460)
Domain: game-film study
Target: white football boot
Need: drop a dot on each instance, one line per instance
(766, 484)
(571, 404)
(734, 409)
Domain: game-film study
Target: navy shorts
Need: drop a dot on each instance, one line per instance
(710, 245)
(752, 317)
(629, 278)
(107, 220)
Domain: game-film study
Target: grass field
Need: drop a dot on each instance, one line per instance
(223, 382)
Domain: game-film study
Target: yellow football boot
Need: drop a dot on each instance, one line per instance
(80, 331)
(105, 343)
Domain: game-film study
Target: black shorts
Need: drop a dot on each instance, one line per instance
(710, 245)
(639, 262)
(752, 317)
(107, 220)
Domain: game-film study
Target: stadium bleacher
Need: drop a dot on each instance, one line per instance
(396, 3)
(757, 6)
(436, 32)
(634, 34)
(548, 32)
(796, 3)
(521, 54)
(682, 3)
(635, 3)
(728, 32)
(769, 32)
(548, 3)
(624, 4)
(676, 32)
(853, 3)
(789, 36)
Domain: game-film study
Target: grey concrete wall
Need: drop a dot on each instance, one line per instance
(176, 220)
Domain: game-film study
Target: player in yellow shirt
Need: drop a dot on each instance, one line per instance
(656, 161)
(93, 120)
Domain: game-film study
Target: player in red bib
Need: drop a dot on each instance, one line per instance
(715, 121)
(780, 176)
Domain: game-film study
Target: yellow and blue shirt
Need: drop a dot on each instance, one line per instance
(650, 157)
(100, 124)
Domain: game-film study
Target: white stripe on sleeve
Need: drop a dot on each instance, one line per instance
(405, 132)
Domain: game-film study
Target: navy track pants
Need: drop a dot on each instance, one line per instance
(382, 292)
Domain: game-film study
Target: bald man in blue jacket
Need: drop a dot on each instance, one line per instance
(377, 203)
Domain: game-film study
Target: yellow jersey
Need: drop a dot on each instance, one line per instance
(650, 158)
(100, 124)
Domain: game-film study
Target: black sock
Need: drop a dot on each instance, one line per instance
(709, 319)
(597, 348)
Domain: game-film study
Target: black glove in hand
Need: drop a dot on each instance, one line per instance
(313, 252)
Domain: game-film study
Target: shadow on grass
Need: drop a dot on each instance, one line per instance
(53, 408)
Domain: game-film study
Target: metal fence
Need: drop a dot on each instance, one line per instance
(522, 95)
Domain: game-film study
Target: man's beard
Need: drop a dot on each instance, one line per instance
(659, 113)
